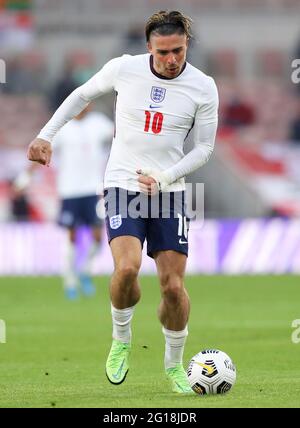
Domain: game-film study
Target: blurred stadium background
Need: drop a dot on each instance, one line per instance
(252, 183)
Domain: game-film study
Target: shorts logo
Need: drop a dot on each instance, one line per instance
(115, 221)
(183, 241)
(158, 94)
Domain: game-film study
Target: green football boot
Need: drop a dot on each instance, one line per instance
(179, 381)
(117, 362)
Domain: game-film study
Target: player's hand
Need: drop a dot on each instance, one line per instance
(147, 184)
(40, 151)
(152, 181)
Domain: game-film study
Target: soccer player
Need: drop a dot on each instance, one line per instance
(160, 97)
(81, 151)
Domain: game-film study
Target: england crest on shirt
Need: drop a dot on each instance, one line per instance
(158, 94)
(115, 221)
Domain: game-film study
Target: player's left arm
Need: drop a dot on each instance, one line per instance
(23, 180)
(205, 129)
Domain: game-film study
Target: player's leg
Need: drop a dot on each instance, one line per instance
(97, 233)
(127, 256)
(70, 279)
(173, 314)
(124, 293)
(126, 234)
(89, 217)
(67, 219)
(174, 307)
(86, 271)
(167, 238)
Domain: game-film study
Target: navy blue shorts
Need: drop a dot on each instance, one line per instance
(159, 219)
(75, 212)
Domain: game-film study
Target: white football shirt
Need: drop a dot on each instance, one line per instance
(153, 117)
(82, 155)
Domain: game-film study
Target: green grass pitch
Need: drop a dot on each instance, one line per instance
(55, 350)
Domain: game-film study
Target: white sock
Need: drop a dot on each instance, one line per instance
(91, 253)
(69, 272)
(121, 319)
(174, 348)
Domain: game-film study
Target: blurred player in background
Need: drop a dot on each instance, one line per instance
(80, 146)
(81, 149)
(160, 98)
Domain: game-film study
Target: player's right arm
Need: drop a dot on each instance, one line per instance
(102, 82)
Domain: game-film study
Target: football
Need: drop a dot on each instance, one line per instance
(211, 371)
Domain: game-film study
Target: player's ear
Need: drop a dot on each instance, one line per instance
(149, 46)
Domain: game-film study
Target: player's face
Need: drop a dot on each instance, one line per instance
(169, 53)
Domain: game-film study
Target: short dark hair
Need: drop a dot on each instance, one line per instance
(165, 23)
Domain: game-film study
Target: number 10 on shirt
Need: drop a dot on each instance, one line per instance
(154, 121)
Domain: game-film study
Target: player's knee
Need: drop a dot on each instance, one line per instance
(172, 290)
(127, 272)
(169, 277)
